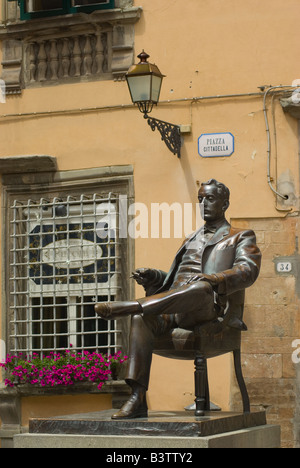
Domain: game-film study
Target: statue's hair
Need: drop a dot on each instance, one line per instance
(222, 189)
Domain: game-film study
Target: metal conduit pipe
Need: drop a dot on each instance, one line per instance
(272, 88)
(124, 106)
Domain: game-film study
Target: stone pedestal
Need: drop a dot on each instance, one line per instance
(178, 430)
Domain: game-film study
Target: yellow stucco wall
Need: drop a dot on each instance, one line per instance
(45, 407)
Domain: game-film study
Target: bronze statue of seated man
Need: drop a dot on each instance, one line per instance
(212, 265)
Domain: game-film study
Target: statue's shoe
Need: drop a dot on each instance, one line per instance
(113, 310)
(132, 409)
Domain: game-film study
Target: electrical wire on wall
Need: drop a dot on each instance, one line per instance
(274, 89)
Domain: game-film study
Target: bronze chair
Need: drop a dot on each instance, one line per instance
(206, 341)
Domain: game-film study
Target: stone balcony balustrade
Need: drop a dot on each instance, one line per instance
(67, 57)
(65, 49)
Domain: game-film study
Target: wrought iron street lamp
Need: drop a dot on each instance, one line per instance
(144, 82)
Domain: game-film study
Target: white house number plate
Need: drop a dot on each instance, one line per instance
(284, 267)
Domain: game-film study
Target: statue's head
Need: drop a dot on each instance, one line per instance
(214, 197)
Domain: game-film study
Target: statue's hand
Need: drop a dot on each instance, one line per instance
(211, 279)
(144, 276)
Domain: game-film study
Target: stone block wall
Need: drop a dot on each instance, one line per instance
(272, 314)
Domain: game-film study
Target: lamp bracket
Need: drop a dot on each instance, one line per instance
(170, 134)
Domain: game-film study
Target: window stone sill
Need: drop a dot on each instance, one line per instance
(114, 387)
(10, 398)
(24, 28)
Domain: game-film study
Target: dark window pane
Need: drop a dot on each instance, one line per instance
(88, 2)
(41, 5)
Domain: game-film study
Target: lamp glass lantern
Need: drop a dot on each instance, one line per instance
(144, 82)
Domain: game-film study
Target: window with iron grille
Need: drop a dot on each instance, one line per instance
(65, 255)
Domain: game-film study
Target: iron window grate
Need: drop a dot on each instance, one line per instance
(64, 257)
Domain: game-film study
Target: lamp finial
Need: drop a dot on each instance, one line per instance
(143, 56)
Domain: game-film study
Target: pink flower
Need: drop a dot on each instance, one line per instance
(68, 369)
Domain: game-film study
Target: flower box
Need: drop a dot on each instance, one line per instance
(60, 369)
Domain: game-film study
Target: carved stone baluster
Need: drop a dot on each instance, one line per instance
(77, 56)
(87, 57)
(54, 60)
(99, 57)
(66, 61)
(42, 63)
(32, 63)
